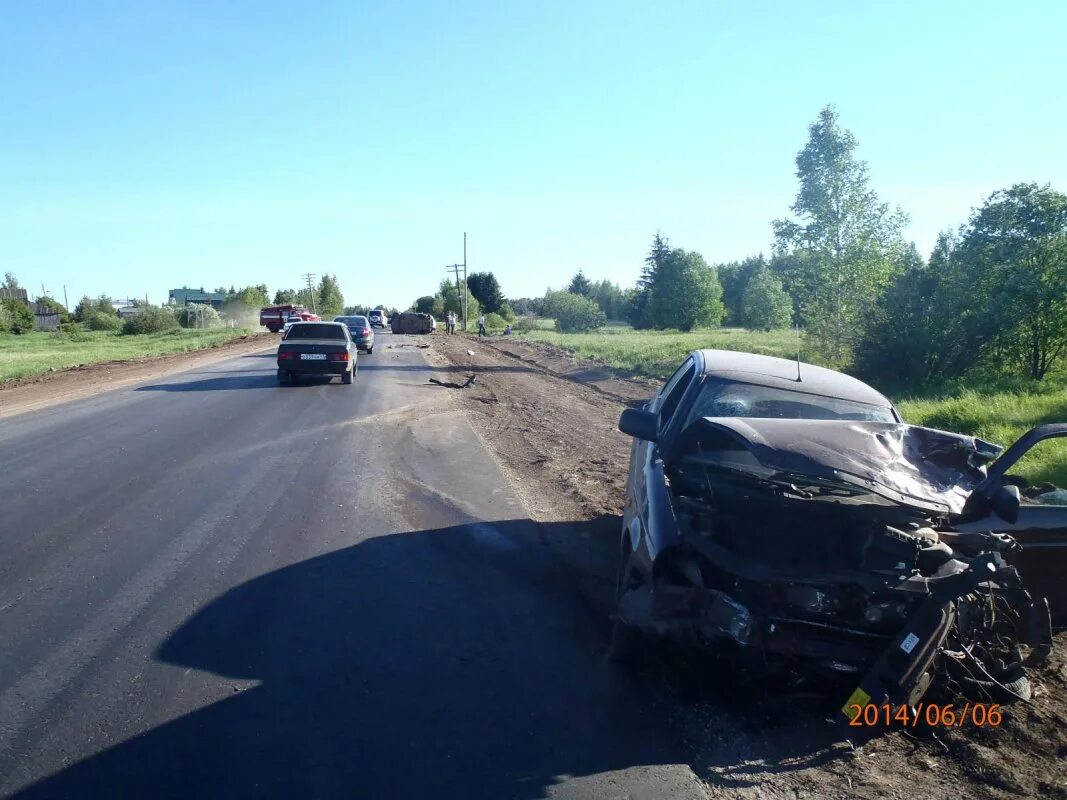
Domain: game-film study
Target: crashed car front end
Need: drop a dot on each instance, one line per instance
(829, 546)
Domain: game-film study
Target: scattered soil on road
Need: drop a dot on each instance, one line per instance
(551, 420)
(51, 388)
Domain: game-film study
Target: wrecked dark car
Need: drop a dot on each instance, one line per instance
(787, 509)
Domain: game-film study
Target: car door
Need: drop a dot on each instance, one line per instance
(1040, 526)
(647, 489)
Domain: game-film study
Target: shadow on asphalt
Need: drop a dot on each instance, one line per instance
(243, 381)
(453, 663)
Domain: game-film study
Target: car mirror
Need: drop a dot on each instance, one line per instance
(1005, 503)
(639, 423)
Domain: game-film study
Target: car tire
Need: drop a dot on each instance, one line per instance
(370, 351)
(283, 377)
(628, 646)
(346, 378)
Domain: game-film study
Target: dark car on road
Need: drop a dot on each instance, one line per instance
(787, 511)
(359, 329)
(317, 348)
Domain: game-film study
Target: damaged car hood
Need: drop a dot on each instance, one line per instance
(909, 464)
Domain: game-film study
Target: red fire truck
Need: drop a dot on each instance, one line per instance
(273, 318)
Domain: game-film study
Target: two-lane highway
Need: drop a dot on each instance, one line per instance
(213, 586)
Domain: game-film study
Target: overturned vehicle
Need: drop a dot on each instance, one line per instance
(787, 509)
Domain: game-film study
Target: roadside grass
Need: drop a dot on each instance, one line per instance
(1002, 416)
(656, 354)
(39, 352)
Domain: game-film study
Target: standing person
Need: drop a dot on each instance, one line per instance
(481, 325)
(450, 323)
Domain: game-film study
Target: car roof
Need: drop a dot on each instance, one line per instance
(782, 373)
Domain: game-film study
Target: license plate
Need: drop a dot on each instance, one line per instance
(312, 356)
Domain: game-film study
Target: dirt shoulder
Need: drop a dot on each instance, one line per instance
(41, 391)
(551, 421)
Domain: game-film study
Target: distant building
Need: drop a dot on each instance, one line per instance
(46, 318)
(185, 295)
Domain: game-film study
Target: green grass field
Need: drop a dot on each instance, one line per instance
(34, 353)
(999, 415)
(657, 354)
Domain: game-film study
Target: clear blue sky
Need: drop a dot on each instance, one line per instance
(144, 145)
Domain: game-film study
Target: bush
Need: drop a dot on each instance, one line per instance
(574, 313)
(495, 322)
(99, 321)
(150, 320)
(525, 323)
(507, 312)
(18, 318)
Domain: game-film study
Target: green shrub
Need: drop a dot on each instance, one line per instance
(495, 322)
(5, 319)
(525, 323)
(574, 313)
(18, 318)
(507, 312)
(150, 320)
(99, 321)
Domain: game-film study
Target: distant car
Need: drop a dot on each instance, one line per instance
(377, 318)
(317, 348)
(359, 329)
(289, 322)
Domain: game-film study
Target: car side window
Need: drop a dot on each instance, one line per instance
(672, 392)
(1041, 474)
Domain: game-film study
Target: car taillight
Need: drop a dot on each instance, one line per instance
(366, 331)
(283, 356)
(339, 356)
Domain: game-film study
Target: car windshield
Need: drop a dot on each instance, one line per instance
(311, 330)
(722, 398)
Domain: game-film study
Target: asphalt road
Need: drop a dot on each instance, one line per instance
(213, 586)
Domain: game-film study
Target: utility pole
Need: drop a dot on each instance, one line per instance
(65, 304)
(464, 280)
(310, 278)
(456, 268)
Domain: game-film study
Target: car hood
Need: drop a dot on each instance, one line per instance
(909, 464)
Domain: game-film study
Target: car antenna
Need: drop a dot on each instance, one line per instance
(797, 329)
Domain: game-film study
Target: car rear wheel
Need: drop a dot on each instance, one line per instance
(347, 377)
(283, 377)
(370, 350)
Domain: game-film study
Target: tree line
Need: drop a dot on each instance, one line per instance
(991, 297)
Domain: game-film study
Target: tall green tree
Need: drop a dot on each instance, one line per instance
(611, 299)
(847, 237)
(1015, 247)
(580, 285)
(765, 305)
(10, 281)
(249, 296)
(485, 287)
(284, 296)
(330, 301)
(639, 300)
(686, 294)
(734, 278)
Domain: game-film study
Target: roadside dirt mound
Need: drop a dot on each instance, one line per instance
(551, 420)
